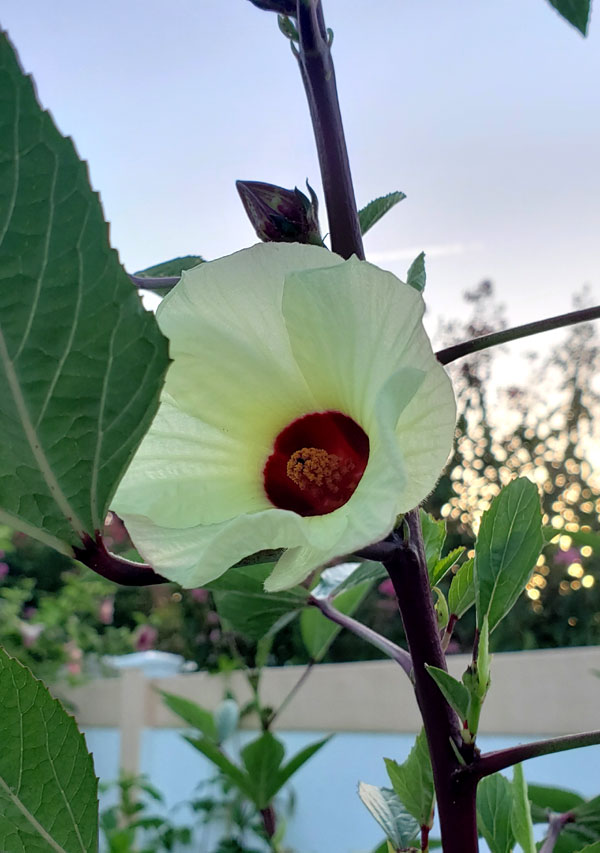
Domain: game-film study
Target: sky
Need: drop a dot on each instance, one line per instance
(486, 114)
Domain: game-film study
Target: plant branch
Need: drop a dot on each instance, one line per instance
(445, 356)
(154, 283)
(407, 569)
(400, 655)
(291, 694)
(95, 555)
(318, 76)
(556, 826)
(492, 762)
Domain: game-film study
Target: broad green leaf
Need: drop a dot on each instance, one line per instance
(81, 362)
(461, 595)
(215, 755)
(416, 276)
(48, 790)
(399, 826)
(319, 632)
(295, 763)
(576, 12)
(434, 535)
(507, 547)
(191, 713)
(332, 579)
(494, 810)
(591, 848)
(377, 208)
(262, 759)
(455, 693)
(242, 601)
(521, 823)
(413, 781)
(544, 797)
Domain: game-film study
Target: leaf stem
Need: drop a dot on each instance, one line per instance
(318, 77)
(449, 354)
(556, 826)
(95, 555)
(400, 655)
(492, 762)
(291, 694)
(154, 283)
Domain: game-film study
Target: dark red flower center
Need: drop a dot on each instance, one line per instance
(316, 464)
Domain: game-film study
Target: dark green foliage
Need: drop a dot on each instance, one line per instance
(48, 790)
(81, 362)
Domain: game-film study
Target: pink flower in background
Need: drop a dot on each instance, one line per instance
(565, 558)
(74, 658)
(29, 612)
(4, 569)
(106, 611)
(386, 587)
(215, 635)
(145, 638)
(30, 633)
(200, 595)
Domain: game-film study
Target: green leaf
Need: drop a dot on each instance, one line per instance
(506, 550)
(81, 362)
(170, 268)
(494, 810)
(434, 536)
(416, 276)
(214, 754)
(461, 595)
(455, 693)
(443, 566)
(544, 797)
(318, 632)
(377, 208)
(48, 790)
(413, 781)
(262, 759)
(521, 823)
(192, 713)
(331, 580)
(399, 826)
(591, 848)
(576, 12)
(241, 600)
(295, 763)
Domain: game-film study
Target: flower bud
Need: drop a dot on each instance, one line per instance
(279, 215)
(284, 7)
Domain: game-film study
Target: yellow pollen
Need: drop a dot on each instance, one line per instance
(312, 466)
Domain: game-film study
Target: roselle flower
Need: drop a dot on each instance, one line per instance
(304, 409)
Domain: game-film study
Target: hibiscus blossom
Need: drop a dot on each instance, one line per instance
(304, 409)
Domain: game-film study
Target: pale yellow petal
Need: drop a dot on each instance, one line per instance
(188, 472)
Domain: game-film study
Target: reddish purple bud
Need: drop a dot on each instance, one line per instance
(4, 569)
(283, 7)
(386, 587)
(106, 611)
(279, 215)
(200, 595)
(145, 638)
